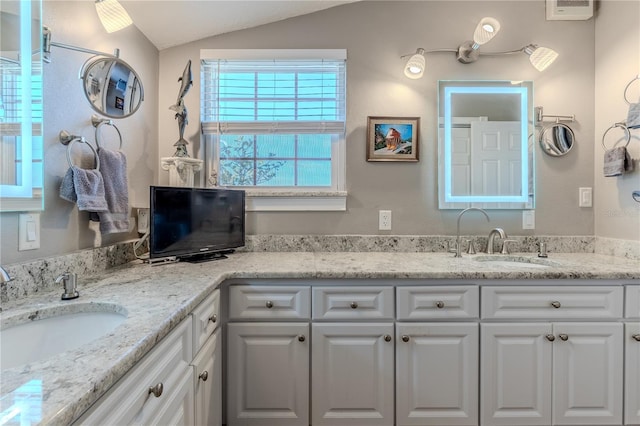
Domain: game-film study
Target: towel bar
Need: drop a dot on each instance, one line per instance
(99, 122)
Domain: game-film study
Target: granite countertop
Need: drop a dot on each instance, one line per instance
(157, 298)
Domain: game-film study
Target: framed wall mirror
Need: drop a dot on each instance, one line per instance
(21, 101)
(485, 144)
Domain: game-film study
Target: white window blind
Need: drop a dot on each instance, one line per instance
(274, 118)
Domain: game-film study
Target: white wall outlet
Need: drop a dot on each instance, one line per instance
(585, 197)
(143, 221)
(29, 231)
(528, 219)
(384, 220)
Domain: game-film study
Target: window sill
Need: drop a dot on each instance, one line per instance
(281, 201)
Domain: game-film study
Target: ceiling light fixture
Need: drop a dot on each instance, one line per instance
(112, 15)
(468, 52)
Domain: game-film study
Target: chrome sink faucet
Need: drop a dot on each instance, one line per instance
(4, 276)
(492, 236)
(69, 281)
(458, 247)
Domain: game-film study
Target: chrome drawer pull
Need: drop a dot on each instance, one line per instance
(556, 304)
(387, 338)
(439, 304)
(354, 305)
(204, 376)
(636, 336)
(213, 318)
(269, 304)
(405, 338)
(550, 337)
(301, 338)
(156, 390)
(563, 337)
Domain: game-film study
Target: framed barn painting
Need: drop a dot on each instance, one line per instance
(392, 138)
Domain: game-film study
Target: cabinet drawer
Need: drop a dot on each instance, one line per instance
(632, 308)
(130, 400)
(547, 302)
(206, 317)
(446, 302)
(331, 303)
(269, 302)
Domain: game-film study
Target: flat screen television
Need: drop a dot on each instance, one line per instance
(195, 224)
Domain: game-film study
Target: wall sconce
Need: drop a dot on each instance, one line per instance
(112, 15)
(468, 52)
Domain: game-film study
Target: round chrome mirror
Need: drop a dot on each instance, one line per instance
(557, 140)
(111, 86)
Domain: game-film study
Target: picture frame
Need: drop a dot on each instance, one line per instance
(393, 138)
(119, 103)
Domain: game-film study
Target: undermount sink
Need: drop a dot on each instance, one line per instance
(510, 261)
(40, 334)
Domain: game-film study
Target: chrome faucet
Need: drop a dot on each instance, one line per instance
(4, 276)
(458, 248)
(492, 236)
(69, 281)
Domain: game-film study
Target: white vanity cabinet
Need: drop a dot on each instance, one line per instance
(268, 355)
(632, 356)
(437, 361)
(158, 390)
(543, 372)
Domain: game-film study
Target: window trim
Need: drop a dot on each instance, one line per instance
(287, 198)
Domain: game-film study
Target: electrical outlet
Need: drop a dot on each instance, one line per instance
(384, 220)
(143, 221)
(585, 197)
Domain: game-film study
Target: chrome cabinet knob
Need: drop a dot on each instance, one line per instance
(550, 337)
(354, 305)
(556, 304)
(301, 338)
(636, 337)
(405, 338)
(563, 337)
(439, 304)
(387, 338)
(156, 390)
(269, 304)
(213, 318)
(204, 375)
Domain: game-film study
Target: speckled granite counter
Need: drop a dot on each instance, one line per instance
(157, 298)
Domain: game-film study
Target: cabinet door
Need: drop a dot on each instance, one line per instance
(437, 374)
(587, 373)
(208, 382)
(178, 408)
(632, 374)
(268, 374)
(352, 374)
(515, 374)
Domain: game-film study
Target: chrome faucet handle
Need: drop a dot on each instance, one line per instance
(505, 249)
(4, 276)
(471, 249)
(69, 281)
(542, 250)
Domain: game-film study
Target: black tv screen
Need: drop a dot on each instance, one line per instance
(195, 223)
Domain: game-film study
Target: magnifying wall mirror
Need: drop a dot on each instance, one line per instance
(485, 152)
(557, 139)
(112, 87)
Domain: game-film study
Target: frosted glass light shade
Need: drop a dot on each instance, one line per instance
(540, 57)
(486, 30)
(112, 15)
(415, 66)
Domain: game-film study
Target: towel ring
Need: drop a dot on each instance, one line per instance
(99, 122)
(627, 88)
(626, 130)
(82, 140)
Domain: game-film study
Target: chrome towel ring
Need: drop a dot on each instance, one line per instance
(99, 122)
(623, 127)
(68, 139)
(627, 88)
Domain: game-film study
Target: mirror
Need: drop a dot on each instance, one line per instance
(112, 87)
(557, 139)
(485, 153)
(21, 100)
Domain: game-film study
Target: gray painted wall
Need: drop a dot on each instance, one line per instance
(376, 34)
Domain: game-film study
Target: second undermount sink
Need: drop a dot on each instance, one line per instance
(47, 332)
(511, 261)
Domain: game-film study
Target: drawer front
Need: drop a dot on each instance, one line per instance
(269, 302)
(332, 303)
(632, 308)
(552, 302)
(206, 317)
(130, 399)
(438, 302)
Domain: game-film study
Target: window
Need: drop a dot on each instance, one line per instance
(273, 122)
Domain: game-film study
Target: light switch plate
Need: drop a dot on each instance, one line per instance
(29, 231)
(585, 197)
(528, 219)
